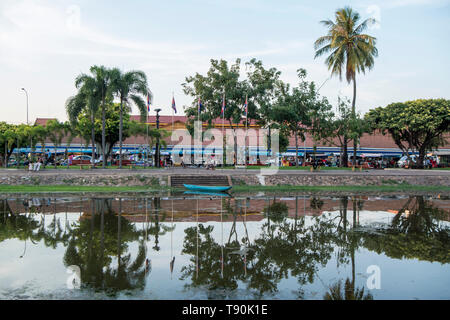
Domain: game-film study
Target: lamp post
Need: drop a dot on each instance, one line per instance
(31, 138)
(157, 163)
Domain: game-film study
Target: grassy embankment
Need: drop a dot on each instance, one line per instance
(236, 189)
(85, 167)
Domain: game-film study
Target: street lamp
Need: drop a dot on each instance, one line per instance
(23, 89)
(323, 84)
(157, 140)
(31, 138)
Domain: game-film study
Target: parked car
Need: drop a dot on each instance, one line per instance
(404, 161)
(80, 160)
(142, 163)
(125, 162)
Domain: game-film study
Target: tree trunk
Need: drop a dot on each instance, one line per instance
(344, 160)
(54, 160)
(18, 155)
(355, 140)
(120, 134)
(235, 148)
(103, 134)
(92, 139)
(422, 152)
(296, 149)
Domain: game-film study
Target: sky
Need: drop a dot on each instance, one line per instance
(45, 44)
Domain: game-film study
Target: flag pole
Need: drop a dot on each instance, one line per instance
(173, 99)
(201, 135)
(223, 131)
(246, 128)
(148, 123)
(198, 128)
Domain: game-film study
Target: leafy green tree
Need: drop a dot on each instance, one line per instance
(40, 134)
(417, 125)
(7, 141)
(337, 128)
(350, 50)
(56, 131)
(13, 136)
(129, 87)
(296, 109)
(318, 113)
(223, 80)
(290, 109)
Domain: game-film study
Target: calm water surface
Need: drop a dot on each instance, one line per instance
(210, 247)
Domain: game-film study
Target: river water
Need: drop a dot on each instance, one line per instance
(211, 247)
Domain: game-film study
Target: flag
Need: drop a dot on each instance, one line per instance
(148, 102)
(223, 106)
(200, 105)
(246, 107)
(174, 107)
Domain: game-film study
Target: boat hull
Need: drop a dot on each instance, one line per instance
(207, 188)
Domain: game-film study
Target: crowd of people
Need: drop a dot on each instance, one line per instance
(35, 161)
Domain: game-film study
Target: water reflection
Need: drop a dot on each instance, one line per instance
(113, 241)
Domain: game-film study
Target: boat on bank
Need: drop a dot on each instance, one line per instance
(207, 188)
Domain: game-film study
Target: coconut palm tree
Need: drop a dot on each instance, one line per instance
(101, 82)
(351, 51)
(86, 100)
(129, 87)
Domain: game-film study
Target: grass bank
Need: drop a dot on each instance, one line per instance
(75, 189)
(236, 189)
(365, 189)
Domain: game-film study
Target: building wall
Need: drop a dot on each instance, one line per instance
(376, 140)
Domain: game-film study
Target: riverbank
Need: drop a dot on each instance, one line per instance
(6, 191)
(240, 178)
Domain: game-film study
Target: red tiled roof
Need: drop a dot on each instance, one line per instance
(43, 121)
(168, 119)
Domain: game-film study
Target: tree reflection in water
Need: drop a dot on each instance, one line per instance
(97, 240)
(286, 248)
(283, 248)
(416, 232)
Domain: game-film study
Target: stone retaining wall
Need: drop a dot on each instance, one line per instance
(86, 180)
(339, 180)
(155, 180)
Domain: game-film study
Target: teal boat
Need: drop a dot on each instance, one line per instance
(207, 188)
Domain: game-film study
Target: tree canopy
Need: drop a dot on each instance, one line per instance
(417, 125)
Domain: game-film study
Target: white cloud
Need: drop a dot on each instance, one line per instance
(408, 3)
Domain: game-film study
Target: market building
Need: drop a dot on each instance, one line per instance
(370, 146)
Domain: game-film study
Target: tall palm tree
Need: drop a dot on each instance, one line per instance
(129, 87)
(86, 100)
(349, 48)
(101, 83)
